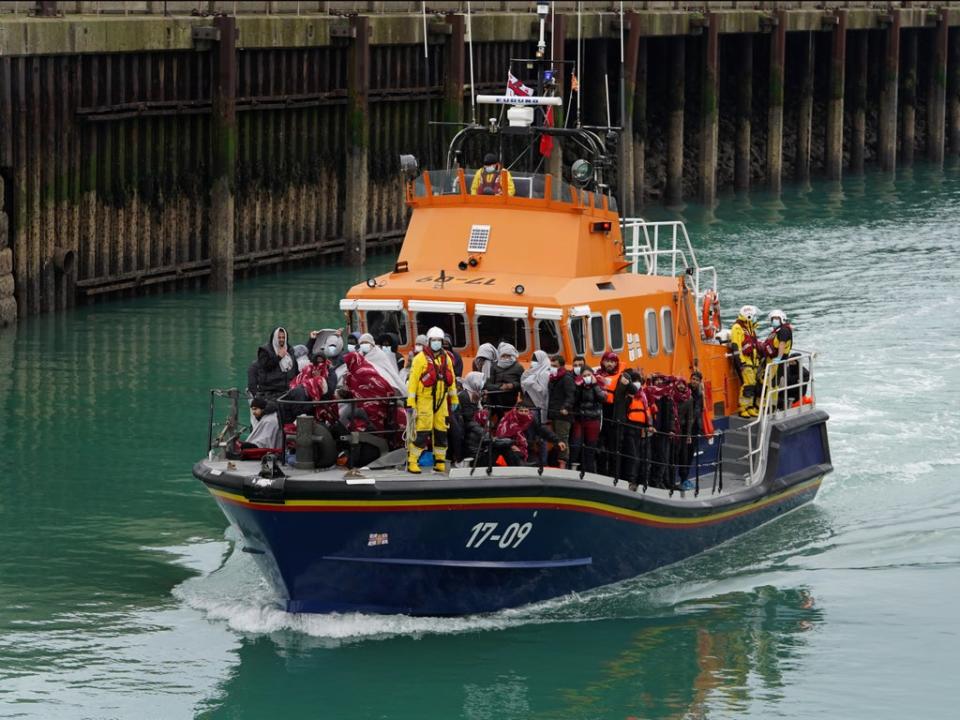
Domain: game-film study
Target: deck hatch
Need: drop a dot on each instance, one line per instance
(479, 237)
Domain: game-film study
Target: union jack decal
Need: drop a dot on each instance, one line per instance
(378, 539)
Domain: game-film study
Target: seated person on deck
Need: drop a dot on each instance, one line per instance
(267, 433)
(486, 181)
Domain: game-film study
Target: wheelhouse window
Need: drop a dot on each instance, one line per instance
(387, 321)
(615, 331)
(548, 336)
(453, 324)
(577, 336)
(597, 340)
(666, 325)
(495, 330)
(650, 326)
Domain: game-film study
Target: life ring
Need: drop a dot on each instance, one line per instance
(710, 315)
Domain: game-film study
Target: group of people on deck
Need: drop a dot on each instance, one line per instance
(641, 428)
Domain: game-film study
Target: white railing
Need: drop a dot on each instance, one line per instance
(663, 248)
(782, 394)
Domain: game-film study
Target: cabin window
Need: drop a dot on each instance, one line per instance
(548, 336)
(666, 326)
(387, 321)
(577, 336)
(650, 325)
(495, 330)
(453, 324)
(615, 330)
(597, 342)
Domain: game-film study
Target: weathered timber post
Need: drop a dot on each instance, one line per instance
(8, 302)
(805, 110)
(46, 8)
(675, 105)
(628, 139)
(833, 159)
(909, 98)
(640, 127)
(358, 142)
(744, 75)
(558, 39)
(454, 79)
(937, 92)
(710, 112)
(953, 90)
(224, 137)
(888, 95)
(778, 46)
(858, 137)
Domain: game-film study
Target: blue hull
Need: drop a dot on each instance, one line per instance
(470, 545)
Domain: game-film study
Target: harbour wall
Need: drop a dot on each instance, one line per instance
(149, 145)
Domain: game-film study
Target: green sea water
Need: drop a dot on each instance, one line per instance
(122, 595)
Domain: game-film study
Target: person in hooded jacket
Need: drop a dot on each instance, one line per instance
(587, 410)
(504, 382)
(563, 395)
(389, 342)
(608, 378)
(485, 360)
(276, 366)
(745, 352)
(457, 360)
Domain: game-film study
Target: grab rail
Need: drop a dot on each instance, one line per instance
(779, 398)
(643, 243)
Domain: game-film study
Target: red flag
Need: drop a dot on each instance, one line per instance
(546, 141)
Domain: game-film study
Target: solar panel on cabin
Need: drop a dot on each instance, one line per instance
(479, 237)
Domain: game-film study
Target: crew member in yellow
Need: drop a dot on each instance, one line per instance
(777, 347)
(744, 349)
(486, 181)
(431, 383)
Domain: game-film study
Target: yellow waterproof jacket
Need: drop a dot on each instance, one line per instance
(743, 334)
(481, 177)
(421, 370)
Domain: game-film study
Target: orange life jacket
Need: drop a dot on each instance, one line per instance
(609, 385)
(639, 412)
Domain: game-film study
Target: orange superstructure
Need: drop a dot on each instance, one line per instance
(545, 269)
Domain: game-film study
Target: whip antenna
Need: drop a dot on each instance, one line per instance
(473, 87)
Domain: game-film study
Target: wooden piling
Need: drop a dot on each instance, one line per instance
(805, 109)
(675, 106)
(778, 44)
(858, 125)
(224, 132)
(358, 142)
(908, 108)
(709, 112)
(833, 156)
(640, 127)
(937, 90)
(453, 80)
(744, 76)
(953, 90)
(888, 95)
(629, 144)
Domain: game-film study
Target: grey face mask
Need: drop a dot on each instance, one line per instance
(436, 345)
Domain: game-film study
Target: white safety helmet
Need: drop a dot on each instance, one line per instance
(434, 333)
(750, 312)
(777, 314)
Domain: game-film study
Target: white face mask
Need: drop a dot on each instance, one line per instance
(351, 347)
(418, 348)
(577, 369)
(365, 348)
(330, 351)
(554, 372)
(588, 379)
(637, 385)
(436, 345)
(489, 168)
(386, 348)
(775, 322)
(534, 364)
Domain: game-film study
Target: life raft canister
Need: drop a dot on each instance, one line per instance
(710, 315)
